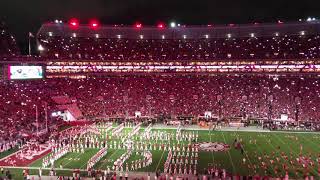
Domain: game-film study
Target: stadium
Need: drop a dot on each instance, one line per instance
(162, 102)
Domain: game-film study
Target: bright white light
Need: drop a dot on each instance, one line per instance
(302, 33)
(97, 35)
(163, 37)
(60, 22)
(206, 36)
(74, 35)
(309, 19)
(56, 21)
(50, 34)
(251, 34)
(184, 36)
(141, 36)
(119, 36)
(276, 34)
(173, 24)
(229, 35)
(179, 25)
(40, 48)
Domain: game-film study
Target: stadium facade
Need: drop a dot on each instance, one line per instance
(83, 62)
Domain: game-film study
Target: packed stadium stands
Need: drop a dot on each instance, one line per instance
(237, 96)
(227, 96)
(282, 47)
(265, 41)
(83, 76)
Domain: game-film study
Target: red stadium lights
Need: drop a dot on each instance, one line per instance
(74, 23)
(138, 25)
(94, 24)
(161, 25)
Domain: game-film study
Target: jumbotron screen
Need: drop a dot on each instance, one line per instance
(25, 72)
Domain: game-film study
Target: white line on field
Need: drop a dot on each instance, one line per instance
(292, 151)
(233, 167)
(159, 161)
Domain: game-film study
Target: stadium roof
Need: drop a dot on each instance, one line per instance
(180, 32)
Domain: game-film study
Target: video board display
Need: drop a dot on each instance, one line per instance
(25, 72)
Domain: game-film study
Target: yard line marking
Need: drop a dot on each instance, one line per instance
(316, 156)
(293, 151)
(159, 161)
(233, 167)
(292, 168)
(69, 161)
(85, 163)
(64, 159)
(211, 151)
(108, 158)
(262, 157)
(310, 141)
(237, 135)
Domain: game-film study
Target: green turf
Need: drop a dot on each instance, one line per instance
(7, 153)
(268, 144)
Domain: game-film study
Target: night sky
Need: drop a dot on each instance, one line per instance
(22, 16)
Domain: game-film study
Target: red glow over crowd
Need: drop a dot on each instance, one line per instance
(95, 48)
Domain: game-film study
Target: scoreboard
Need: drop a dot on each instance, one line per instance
(20, 72)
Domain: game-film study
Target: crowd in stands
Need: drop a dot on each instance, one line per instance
(20, 101)
(224, 96)
(277, 47)
(8, 45)
(234, 96)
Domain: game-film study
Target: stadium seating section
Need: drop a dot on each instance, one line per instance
(284, 47)
(152, 95)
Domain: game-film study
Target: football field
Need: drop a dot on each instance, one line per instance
(264, 153)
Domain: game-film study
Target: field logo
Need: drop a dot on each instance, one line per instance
(213, 146)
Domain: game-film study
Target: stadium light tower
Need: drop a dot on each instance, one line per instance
(138, 25)
(161, 26)
(74, 23)
(173, 24)
(94, 24)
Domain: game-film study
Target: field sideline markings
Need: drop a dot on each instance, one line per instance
(255, 131)
(233, 167)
